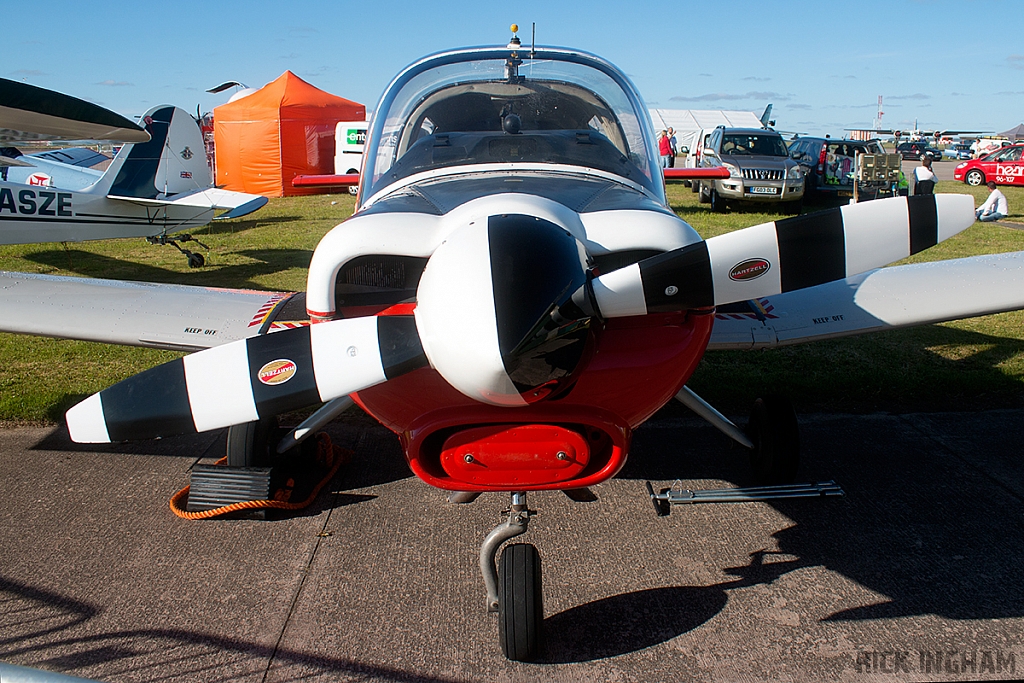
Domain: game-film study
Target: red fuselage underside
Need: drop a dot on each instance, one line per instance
(637, 366)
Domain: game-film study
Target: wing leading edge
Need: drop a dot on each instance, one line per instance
(884, 299)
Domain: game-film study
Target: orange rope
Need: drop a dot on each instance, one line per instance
(327, 453)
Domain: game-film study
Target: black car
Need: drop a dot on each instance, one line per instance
(917, 150)
(829, 164)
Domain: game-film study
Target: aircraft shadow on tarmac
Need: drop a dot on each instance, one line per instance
(933, 531)
(34, 621)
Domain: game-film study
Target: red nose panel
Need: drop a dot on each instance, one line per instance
(514, 455)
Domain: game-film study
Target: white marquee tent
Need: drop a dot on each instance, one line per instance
(692, 124)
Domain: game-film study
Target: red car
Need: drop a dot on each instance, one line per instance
(1005, 166)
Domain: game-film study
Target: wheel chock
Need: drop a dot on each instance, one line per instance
(215, 486)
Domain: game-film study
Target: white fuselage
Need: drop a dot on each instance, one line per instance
(31, 214)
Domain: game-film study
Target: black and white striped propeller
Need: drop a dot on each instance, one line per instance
(503, 314)
(783, 256)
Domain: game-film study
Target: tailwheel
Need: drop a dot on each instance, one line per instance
(194, 260)
(773, 429)
(520, 603)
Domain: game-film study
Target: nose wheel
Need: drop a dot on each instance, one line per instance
(514, 588)
(520, 603)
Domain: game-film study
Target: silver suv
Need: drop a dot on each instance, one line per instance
(759, 166)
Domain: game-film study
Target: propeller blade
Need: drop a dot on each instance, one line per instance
(783, 256)
(250, 379)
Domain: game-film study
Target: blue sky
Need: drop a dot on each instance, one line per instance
(952, 64)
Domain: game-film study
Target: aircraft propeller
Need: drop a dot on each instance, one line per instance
(504, 313)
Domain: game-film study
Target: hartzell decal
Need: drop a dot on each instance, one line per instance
(749, 269)
(277, 371)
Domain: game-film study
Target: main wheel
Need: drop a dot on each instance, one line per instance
(249, 444)
(195, 260)
(717, 203)
(520, 603)
(773, 429)
(974, 178)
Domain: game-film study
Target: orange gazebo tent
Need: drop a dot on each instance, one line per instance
(284, 129)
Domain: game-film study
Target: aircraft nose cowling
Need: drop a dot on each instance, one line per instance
(488, 309)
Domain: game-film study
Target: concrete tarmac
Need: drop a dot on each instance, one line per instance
(915, 575)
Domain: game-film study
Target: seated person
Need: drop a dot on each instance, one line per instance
(994, 208)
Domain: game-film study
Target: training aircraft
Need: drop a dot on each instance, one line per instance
(513, 297)
(156, 186)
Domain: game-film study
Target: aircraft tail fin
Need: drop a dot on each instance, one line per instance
(766, 117)
(173, 162)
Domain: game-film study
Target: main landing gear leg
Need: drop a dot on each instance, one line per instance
(772, 436)
(514, 589)
(194, 260)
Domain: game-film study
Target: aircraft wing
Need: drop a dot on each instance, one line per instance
(238, 204)
(884, 299)
(702, 173)
(946, 131)
(341, 180)
(176, 317)
(28, 112)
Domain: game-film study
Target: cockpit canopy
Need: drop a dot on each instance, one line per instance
(490, 106)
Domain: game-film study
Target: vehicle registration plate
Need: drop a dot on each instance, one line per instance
(762, 190)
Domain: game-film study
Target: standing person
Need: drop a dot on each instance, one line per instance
(902, 185)
(673, 148)
(664, 148)
(924, 177)
(995, 207)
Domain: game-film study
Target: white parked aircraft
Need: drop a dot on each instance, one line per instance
(513, 297)
(153, 188)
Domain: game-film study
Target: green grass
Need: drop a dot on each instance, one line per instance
(968, 364)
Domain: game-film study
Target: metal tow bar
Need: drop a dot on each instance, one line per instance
(677, 495)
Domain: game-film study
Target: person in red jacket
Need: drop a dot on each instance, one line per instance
(664, 148)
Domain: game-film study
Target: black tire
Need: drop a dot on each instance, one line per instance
(974, 178)
(250, 444)
(520, 603)
(702, 195)
(776, 436)
(195, 260)
(695, 186)
(717, 203)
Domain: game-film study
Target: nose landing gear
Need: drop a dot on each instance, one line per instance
(514, 588)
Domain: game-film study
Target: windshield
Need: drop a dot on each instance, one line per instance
(748, 144)
(477, 107)
(1008, 154)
